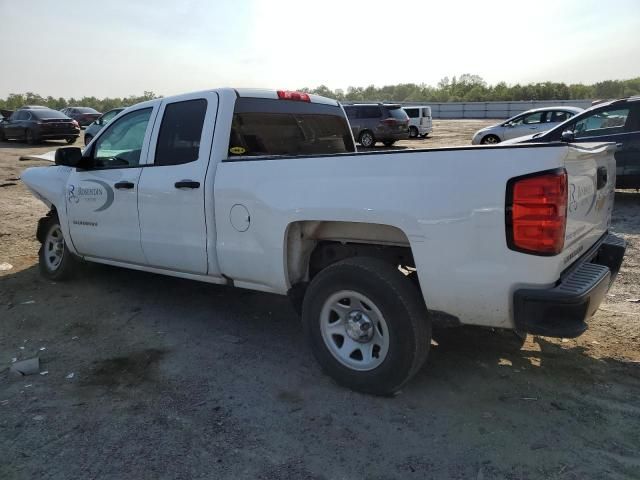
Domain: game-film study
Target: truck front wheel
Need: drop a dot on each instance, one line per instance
(367, 325)
(55, 260)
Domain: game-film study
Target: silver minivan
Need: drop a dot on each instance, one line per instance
(420, 122)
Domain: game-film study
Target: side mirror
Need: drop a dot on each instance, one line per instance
(68, 156)
(568, 136)
(98, 121)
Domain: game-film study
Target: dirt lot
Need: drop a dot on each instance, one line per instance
(183, 380)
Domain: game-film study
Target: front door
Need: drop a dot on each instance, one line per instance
(525, 125)
(102, 200)
(608, 125)
(173, 196)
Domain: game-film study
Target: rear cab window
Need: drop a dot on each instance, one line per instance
(270, 127)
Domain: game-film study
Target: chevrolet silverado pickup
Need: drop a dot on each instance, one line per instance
(265, 190)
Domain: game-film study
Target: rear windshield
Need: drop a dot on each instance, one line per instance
(86, 110)
(398, 113)
(263, 126)
(46, 113)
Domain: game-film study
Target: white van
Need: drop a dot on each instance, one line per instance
(419, 121)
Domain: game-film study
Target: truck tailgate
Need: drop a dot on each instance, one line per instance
(591, 170)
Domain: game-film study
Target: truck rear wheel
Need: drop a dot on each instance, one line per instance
(55, 260)
(367, 325)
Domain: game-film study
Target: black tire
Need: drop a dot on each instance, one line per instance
(489, 140)
(71, 140)
(68, 263)
(404, 313)
(389, 143)
(87, 139)
(413, 132)
(367, 139)
(30, 137)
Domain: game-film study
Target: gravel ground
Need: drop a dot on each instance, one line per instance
(155, 377)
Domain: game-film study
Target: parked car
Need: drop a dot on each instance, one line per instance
(83, 115)
(377, 122)
(615, 121)
(33, 125)
(278, 200)
(420, 122)
(531, 121)
(99, 124)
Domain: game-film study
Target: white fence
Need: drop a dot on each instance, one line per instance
(492, 109)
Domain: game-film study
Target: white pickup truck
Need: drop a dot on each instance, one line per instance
(265, 190)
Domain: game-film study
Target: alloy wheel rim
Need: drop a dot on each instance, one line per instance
(354, 330)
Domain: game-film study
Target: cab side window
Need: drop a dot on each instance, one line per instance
(121, 144)
(412, 112)
(180, 132)
(534, 118)
(609, 121)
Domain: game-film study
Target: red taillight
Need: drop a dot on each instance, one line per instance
(390, 121)
(537, 213)
(298, 96)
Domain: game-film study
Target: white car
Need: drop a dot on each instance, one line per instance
(420, 121)
(527, 123)
(264, 190)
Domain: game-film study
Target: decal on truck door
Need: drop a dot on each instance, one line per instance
(102, 197)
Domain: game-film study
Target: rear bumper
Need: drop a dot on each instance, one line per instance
(562, 311)
(384, 136)
(422, 129)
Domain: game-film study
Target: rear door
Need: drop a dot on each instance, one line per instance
(172, 188)
(12, 126)
(630, 150)
(527, 125)
(425, 119)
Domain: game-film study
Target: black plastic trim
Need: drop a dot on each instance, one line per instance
(562, 311)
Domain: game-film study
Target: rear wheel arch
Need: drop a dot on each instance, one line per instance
(311, 246)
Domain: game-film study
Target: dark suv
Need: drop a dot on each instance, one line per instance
(617, 121)
(377, 122)
(35, 124)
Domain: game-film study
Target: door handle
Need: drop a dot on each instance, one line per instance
(187, 184)
(124, 185)
(602, 177)
(619, 145)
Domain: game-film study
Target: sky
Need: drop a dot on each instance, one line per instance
(70, 48)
